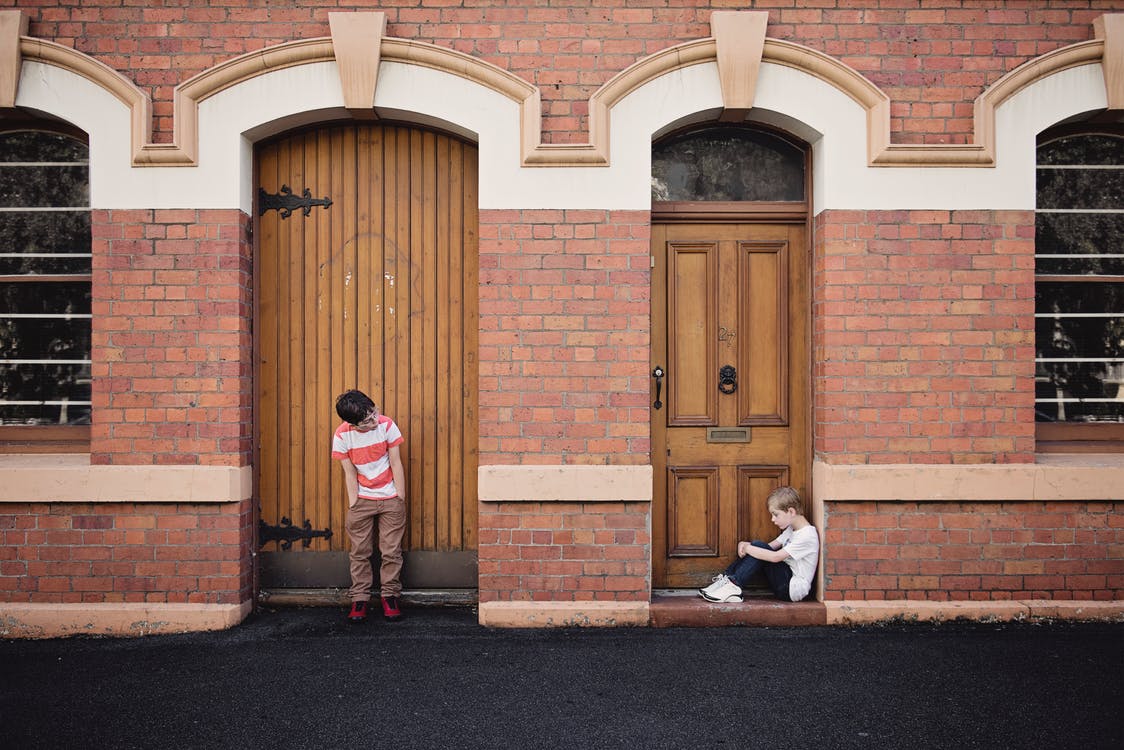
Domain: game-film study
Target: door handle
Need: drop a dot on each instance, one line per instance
(727, 379)
(658, 374)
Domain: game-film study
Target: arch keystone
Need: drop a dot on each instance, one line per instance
(357, 42)
(1109, 28)
(13, 25)
(739, 37)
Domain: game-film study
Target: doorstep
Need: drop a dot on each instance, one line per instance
(337, 597)
(685, 608)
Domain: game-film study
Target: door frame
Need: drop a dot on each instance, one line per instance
(424, 569)
(716, 212)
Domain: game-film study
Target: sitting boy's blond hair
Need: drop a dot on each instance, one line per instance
(783, 498)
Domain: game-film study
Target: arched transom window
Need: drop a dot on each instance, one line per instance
(727, 164)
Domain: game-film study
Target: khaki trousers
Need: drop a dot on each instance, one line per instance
(391, 517)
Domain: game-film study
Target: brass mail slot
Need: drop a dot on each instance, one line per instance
(727, 435)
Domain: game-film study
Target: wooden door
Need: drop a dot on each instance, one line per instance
(375, 291)
(730, 332)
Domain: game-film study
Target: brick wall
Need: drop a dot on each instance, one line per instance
(924, 336)
(932, 58)
(564, 337)
(171, 347)
(564, 552)
(125, 552)
(974, 551)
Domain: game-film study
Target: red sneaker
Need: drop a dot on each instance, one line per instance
(390, 608)
(358, 611)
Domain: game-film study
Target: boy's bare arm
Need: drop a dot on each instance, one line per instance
(350, 481)
(398, 471)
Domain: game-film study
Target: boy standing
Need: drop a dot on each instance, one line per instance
(789, 561)
(366, 445)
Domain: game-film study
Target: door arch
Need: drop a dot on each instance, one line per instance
(365, 277)
(731, 338)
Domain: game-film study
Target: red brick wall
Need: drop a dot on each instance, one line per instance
(125, 552)
(974, 551)
(564, 337)
(564, 552)
(924, 336)
(932, 57)
(172, 313)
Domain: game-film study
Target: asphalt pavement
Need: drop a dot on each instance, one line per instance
(305, 678)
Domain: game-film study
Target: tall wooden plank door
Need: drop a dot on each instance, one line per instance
(730, 334)
(366, 277)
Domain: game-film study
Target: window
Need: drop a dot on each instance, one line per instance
(45, 257)
(1079, 292)
(727, 164)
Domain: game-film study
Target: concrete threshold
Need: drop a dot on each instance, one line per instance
(672, 608)
(339, 598)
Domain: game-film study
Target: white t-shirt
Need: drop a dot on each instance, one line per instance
(803, 547)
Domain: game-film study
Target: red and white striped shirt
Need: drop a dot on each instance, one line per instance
(370, 453)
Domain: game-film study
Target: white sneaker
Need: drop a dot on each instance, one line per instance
(717, 581)
(727, 592)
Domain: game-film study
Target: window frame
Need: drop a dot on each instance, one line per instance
(1075, 437)
(46, 438)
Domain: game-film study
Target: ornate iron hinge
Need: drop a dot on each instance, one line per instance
(286, 202)
(287, 533)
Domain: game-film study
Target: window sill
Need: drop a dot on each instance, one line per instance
(1053, 477)
(70, 478)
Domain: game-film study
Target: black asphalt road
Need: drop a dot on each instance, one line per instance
(304, 678)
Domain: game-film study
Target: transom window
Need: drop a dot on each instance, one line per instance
(45, 259)
(1079, 288)
(727, 164)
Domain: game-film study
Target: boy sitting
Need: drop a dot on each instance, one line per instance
(789, 561)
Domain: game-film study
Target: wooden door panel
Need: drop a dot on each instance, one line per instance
(376, 291)
(693, 511)
(692, 301)
(763, 287)
(754, 485)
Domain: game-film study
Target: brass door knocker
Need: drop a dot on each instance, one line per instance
(727, 379)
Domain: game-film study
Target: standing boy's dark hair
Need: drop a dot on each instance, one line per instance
(354, 406)
(783, 498)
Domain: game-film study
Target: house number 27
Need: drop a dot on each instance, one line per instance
(725, 334)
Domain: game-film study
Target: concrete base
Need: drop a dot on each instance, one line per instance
(684, 608)
(562, 614)
(123, 619)
(864, 612)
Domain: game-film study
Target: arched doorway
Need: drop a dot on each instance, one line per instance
(366, 277)
(731, 398)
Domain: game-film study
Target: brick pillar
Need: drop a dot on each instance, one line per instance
(564, 337)
(564, 351)
(924, 336)
(172, 313)
(172, 388)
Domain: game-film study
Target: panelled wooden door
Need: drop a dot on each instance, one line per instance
(730, 332)
(375, 291)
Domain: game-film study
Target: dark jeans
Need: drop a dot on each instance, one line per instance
(778, 574)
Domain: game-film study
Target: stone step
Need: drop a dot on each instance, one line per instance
(679, 608)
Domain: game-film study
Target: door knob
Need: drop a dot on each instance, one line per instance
(658, 374)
